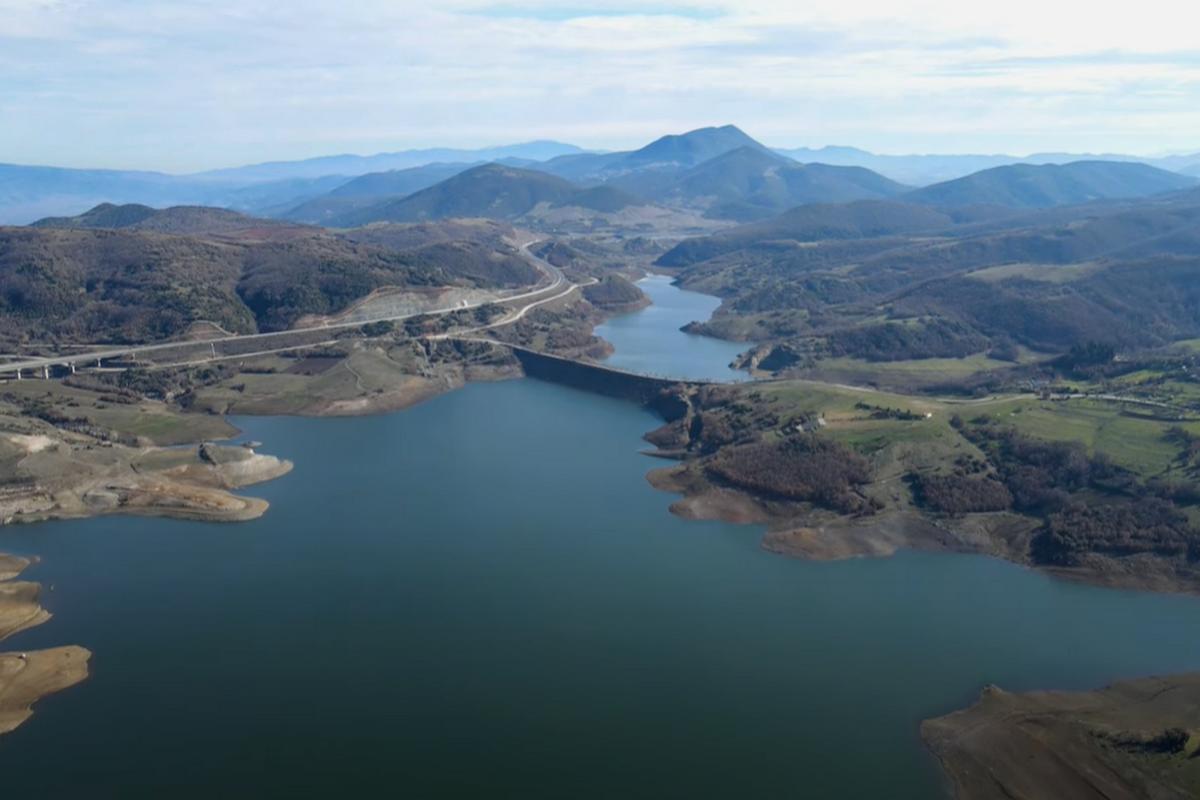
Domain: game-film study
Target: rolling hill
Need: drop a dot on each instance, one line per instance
(185, 220)
(897, 287)
(492, 191)
(128, 284)
(667, 153)
(749, 184)
(866, 219)
(925, 170)
(1030, 186)
(370, 189)
(398, 183)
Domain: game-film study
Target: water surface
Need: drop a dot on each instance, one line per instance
(482, 597)
(650, 341)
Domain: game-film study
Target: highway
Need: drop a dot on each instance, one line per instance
(36, 365)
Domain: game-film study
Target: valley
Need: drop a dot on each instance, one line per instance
(1001, 365)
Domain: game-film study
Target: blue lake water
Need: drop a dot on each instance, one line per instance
(482, 597)
(650, 341)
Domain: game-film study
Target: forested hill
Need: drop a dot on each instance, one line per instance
(817, 222)
(871, 280)
(1030, 186)
(493, 191)
(751, 183)
(186, 220)
(122, 285)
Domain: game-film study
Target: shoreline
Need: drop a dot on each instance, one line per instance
(27, 677)
(1130, 740)
(795, 530)
(66, 479)
(201, 491)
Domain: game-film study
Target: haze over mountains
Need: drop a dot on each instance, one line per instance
(923, 170)
(720, 173)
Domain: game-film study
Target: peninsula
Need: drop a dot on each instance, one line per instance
(25, 678)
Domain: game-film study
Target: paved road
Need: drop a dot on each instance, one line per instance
(37, 364)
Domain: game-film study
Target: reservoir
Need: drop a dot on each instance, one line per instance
(482, 597)
(650, 342)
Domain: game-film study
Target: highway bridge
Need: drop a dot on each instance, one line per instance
(44, 366)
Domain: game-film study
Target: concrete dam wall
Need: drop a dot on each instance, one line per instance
(641, 389)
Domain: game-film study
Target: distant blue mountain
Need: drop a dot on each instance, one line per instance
(924, 170)
(1048, 185)
(384, 162)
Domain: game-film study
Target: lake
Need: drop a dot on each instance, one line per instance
(482, 597)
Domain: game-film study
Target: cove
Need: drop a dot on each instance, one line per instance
(482, 597)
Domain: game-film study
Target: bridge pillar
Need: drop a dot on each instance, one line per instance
(46, 373)
(97, 363)
(72, 366)
(19, 375)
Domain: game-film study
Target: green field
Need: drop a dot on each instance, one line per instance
(156, 422)
(1130, 437)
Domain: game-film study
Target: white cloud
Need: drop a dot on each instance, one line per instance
(186, 84)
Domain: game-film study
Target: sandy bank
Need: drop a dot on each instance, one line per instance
(71, 479)
(1134, 740)
(25, 678)
(25, 681)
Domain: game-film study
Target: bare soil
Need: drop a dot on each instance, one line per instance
(25, 678)
(1074, 745)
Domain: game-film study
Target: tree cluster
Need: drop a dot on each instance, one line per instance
(810, 469)
(961, 494)
(934, 338)
(879, 412)
(1149, 525)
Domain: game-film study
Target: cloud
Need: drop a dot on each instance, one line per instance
(188, 84)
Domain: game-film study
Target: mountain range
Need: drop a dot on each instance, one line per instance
(720, 172)
(744, 184)
(924, 170)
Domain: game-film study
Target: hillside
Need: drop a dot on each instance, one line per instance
(1029, 186)
(184, 220)
(368, 190)
(671, 153)
(928, 287)
(928, 169)
(688, 149)
(399, 182)
(86, 284)
(408, 236)
(866, 219)
(748, 184)
(492, 191)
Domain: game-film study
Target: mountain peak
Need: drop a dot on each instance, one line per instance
(694, 147)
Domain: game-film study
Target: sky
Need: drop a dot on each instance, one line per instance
(185, 85)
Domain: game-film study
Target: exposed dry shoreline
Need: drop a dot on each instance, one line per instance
(73, 478)
(800, 531)
(25, 678)
(1135, 740)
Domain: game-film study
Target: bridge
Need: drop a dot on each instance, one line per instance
(277, 341)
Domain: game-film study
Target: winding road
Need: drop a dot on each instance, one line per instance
(557, 281)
